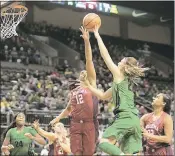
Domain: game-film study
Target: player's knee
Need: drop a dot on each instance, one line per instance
(139, 154)
(109, 140)
(112, 140)
(76, 151)
(102, 140)
(89, 150)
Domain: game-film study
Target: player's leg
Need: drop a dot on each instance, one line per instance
(131, 145)
(132, 142)
(76, 139)
(89, 140)
(108, 143)
(115, 133)
(110, 137)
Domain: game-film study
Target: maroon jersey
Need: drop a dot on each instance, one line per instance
(56, 150)
(156, 128)
(84, 104)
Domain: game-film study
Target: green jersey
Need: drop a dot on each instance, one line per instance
(126, 127)
(123, 97)
(22, 144)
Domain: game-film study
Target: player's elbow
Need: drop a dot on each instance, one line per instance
(103, 97)
(100, 96)
(42, 141)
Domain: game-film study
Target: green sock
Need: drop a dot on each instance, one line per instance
(110, 148)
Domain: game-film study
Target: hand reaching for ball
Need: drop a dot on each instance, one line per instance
(95, 30)
(35, 124)
(85, 33)
(87, 83)
(90, 20)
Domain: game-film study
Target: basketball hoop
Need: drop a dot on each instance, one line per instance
(11, 16)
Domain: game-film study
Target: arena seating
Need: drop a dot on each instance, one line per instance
(47, 91)
(123, 48)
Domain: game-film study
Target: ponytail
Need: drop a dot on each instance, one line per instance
(133, 70)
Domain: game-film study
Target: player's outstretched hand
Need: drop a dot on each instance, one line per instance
(85, 33)
(86, 83)
(148, 136)
(10, 146)
(95, 30)
(53, 122)
(28, 135)
(35, 124)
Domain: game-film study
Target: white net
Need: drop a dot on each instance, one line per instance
(10, 18)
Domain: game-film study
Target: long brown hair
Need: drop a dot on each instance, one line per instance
(132, 69)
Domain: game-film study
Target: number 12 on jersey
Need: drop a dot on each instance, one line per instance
(79, 98)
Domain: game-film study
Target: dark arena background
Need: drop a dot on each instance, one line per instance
(36, 65)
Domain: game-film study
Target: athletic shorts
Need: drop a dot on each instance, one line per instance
(83, 138)
(127, 131)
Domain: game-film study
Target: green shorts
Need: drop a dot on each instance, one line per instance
(127, 131)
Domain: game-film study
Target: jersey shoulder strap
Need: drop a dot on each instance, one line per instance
(148, 117)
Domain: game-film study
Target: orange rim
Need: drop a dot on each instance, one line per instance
(24, 11)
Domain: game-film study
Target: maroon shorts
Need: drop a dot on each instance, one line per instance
(82, 137)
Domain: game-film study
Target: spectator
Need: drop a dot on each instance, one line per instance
(5, 106)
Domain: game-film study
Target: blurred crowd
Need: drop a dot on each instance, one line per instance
(153, 83)
(33, 89)
(20, 49)
(117, 47)
(39, 90)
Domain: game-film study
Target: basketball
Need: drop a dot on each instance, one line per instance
(90, 20)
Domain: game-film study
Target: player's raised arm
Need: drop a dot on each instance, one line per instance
(100, 94)
(105, 54)
(48, 135)
(88, 55)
